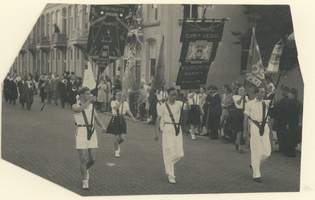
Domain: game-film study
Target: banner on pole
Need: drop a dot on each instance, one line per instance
(159, 76)
(88, 79)
(210, 31)
(200, 43)
(191, 76)
(129, 77)
(108, 30)
(274, 60)
(254, 63)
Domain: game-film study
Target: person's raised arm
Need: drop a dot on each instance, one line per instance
(80, 108)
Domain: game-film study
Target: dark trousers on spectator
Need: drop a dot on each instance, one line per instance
(142, 110)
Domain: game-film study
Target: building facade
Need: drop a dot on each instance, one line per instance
(49, 50)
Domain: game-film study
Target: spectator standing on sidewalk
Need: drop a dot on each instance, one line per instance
(172, 138)
(86, 148)
(194, 114)
(202, 101)
(215, 111)
(240, 99)
(291, 120)
(279, 116)
(142, 100)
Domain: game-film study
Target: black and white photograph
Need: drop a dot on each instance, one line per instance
(168, 100)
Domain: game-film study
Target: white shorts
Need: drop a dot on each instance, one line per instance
(81, 139)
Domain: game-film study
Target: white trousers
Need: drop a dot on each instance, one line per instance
(172, 148)
(260, 148)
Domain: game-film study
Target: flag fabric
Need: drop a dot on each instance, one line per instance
(274, 60)
(88, 79)
(159, 76)
(129, 77)
(256, 73)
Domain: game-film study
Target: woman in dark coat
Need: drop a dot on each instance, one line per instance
(13, 90)
(21, 91)
(6, 88)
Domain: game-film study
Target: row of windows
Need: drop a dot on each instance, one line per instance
(76, 18)
(70, 54)
(189, 11)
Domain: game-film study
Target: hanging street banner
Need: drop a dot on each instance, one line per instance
(108, 31)
(254, 63)
(200, 43)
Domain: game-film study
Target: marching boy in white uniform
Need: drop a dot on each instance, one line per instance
(255, 112)
(85, 147)
(172, 138)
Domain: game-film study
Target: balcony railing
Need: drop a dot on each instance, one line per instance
(79, 34)
(43, 40)
(59, 37)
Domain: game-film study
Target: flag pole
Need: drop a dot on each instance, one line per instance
(93, 108)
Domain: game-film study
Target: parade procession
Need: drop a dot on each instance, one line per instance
(211, 97)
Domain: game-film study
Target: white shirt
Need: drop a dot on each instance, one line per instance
(237, 98)
(163, 112)
(121, 112)
(193, 99)
(78, 116)
(253, 109)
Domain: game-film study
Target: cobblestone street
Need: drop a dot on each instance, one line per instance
(42, 142)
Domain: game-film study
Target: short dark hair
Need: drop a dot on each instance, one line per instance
(171, 89)
(213, 87)
(115, 92)
(256, 90)
(83, 90)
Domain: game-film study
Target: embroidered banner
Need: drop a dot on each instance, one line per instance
(254, 63)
